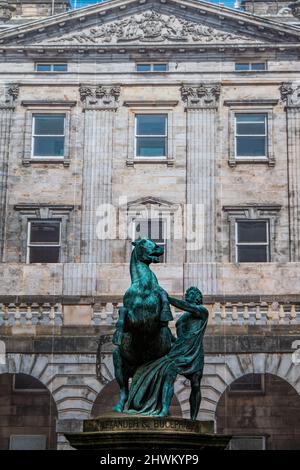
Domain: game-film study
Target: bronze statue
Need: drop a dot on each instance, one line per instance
(146, 349)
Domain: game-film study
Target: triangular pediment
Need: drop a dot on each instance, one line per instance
(142, 23)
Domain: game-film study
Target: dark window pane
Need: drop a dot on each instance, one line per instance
(151, 147)
(250, 117)
(44, 233)
(248, 383)
(248, 128)
(258, 66)
(141, 229)
(143, 67)
(44, 254)
(151, 124)
(48, 146)
(247, 443)
(252, 254)
(251, 232)
(59, 67)
(43, 67)
(240, 66)
(49, 125)
(159, 67)
(156, 229)
(27, 382)
(251, 146)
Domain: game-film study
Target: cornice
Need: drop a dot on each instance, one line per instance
(35, 51)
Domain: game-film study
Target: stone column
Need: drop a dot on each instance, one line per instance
(201, 108)
(290, 94)
(100, 104)
(8, 96)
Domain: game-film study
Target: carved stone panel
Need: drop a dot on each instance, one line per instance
(201, 96)
(151, 27)
(100, 96)
(290, 94)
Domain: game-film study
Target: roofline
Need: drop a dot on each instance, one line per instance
(101, 8)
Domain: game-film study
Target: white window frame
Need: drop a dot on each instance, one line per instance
(29, 244)
(265, 135)
(51, 64)
(267, 243)
(250, 63)
(163, 244)
(151, 67)
(33, 136)
(165, 136)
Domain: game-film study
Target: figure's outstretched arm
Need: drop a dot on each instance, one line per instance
(117, 337)
(197, 310)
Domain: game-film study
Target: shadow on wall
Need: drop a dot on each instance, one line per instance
(27, 414)
(109, 396)
(260, 411)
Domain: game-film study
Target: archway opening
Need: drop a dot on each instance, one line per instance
(109, 396)
(260, 411)
(27, 414)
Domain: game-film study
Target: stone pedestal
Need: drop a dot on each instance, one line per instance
(115, 433)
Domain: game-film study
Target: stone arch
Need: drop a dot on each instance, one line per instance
(221, 370)
(30, 410)
(71, 380)
(270, 413)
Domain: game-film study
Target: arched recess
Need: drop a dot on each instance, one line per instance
(28, 413)
(221, 370)
(109, 394)
(260, 411)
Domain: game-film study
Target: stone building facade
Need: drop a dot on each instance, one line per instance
(177, 119)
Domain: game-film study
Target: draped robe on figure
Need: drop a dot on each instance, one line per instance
(185, 357)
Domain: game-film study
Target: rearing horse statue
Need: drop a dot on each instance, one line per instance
(142, 333)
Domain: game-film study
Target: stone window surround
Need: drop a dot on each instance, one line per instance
(136, 209)
(251, 107)
(46, 107)
(150, 107)
(266, 212)
(29, 212)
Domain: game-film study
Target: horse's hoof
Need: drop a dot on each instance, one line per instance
(118, 408)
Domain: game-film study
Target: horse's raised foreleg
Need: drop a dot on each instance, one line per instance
(122, 377)
(166, 314)
(118, 334)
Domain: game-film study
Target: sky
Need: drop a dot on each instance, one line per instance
(85, 3)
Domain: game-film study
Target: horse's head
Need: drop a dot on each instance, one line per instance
(147, 251)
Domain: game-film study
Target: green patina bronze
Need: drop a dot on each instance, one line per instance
(147, 350)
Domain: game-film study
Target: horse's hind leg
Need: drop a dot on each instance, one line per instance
(122, 377)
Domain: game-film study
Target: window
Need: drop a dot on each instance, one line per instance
(247, 443)
(28, 442)
(27, 383)
(153, 229)
(43, 241)
(151, 135)
(252, 241)
(151, 67)
(249, 383)
(251, 135)
(48, 135)
(250, 66)
(43, 67)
